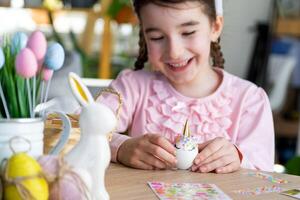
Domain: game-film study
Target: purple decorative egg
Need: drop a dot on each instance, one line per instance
(18, 42)
(55, 57)
(26, 63)
(2, 58)
(38, 44)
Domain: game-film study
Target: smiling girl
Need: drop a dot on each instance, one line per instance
(230, 117)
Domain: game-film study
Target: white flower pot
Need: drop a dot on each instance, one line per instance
(26, 135)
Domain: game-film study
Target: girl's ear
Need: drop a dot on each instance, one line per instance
(79, 90)
(217, 28)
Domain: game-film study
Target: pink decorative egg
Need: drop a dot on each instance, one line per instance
(47, 74)
(73, 184)
(38, 44)
(49, 164)
(26, 63)
(67, 189)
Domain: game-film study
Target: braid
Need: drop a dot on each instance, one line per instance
(217, 55)
(142, 57)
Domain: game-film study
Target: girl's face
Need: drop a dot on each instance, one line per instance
(178, 40)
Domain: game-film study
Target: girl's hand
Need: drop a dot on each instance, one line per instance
(217, 154)
(150, 151)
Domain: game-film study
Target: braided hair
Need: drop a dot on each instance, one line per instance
(208, 8)
(143, 54)
(216, 54)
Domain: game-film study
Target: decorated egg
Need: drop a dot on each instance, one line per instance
(186, 149)
(38, 44)
(23, 179)
(66, 182)
(70, 186)
(49, 164)
(55, 57)
(47, 74)
(2, 58)
(19, 41)
(26, 63)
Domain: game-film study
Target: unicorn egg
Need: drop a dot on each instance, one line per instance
(186, 152)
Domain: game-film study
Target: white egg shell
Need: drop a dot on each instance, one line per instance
(185, 158)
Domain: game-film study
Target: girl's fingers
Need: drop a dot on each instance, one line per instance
(203, 145)
(158, 150)
(162, 142)
(228, 168)
(223, 161)
(214, 156)
(209, 149)
(142, 165)
(153, 161)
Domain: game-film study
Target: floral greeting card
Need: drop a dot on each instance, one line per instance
(187, 191)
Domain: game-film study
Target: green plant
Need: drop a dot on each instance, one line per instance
(116, 6)
(26, 67)
(293, 166)
(14, 87)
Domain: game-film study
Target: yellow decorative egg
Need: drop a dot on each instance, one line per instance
(25, 172)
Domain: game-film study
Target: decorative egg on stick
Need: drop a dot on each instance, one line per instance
(26, 66)
(19, 41)
(54, 60)
(2, 61)
(38, 44)
(186, 148)
(46, 76)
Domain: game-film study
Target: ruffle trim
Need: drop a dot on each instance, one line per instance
(209, 119)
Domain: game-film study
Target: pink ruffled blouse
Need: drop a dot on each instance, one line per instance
(238, 111)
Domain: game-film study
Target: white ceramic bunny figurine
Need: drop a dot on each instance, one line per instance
(92, 153)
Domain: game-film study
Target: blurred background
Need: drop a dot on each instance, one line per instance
(260, 42)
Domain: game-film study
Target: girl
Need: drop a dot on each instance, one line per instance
(230, 117)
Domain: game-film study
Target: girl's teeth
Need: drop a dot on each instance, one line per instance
(179, 64)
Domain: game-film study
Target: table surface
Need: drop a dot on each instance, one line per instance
(127, 183)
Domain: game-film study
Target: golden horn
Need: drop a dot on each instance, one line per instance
(186, 129)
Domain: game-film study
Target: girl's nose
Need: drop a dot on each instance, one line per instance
(175, 49)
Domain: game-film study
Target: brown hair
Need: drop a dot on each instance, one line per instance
(208, 9)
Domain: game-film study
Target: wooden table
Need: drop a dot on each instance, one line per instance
(129, 184)
(126, 183)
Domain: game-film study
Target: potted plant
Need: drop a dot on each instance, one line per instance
(122, 11)
(26, 68)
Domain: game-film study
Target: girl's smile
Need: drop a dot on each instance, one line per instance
(179, 66)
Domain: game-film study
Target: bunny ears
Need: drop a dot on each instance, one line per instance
(79, 90)
(219, 7)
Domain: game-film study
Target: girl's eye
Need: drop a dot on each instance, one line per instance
(156, 38)
(188, 33)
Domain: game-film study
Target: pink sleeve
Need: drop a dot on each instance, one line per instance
(256, 132)
(126, 86)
